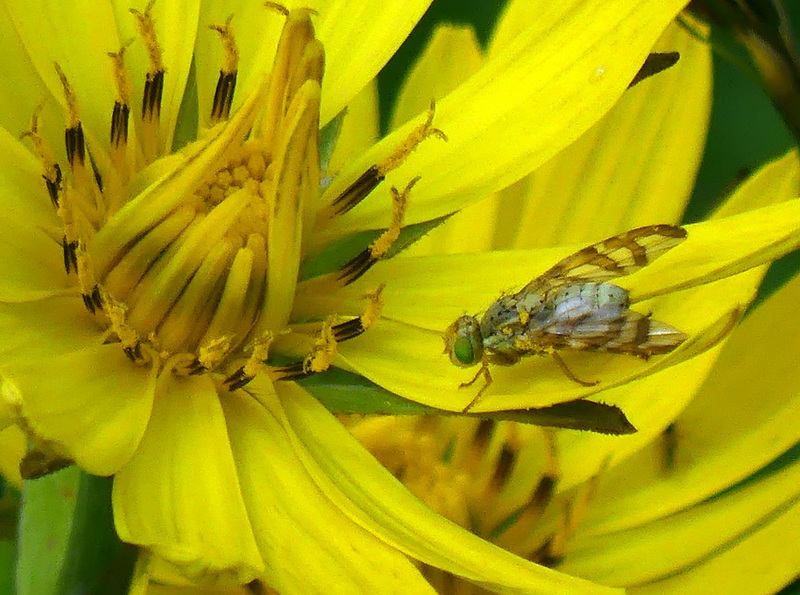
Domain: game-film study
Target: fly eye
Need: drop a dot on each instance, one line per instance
(464, 351)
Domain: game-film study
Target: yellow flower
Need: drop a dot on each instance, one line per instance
(148, 278)
(705, 492)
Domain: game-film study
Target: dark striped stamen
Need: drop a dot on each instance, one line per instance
(358, 190)
(223, 96)
(54, 185)
(76, 147)
(70, 255)
(119, 124)
(151, 102)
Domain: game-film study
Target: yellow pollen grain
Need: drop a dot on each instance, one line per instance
(73, 117)
(147, 31)
(323, 352)
(122, 78)
(411, 142)
(399, 203)
(41, 147)
(374, 306)
(230, 62)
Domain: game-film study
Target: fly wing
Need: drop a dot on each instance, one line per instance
(614, 257)
(615, 331)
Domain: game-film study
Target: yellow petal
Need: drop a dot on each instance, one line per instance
(43, 329)
(107, 402)
(764, 562)
(13, 446)
(647, 552)
(451, 57)
(533, 98)
(379, 27)
(176, 26)
(634, 167)
(307, 543)
(777, 181)
(180, 495)
(365, 491)
(49, 34)
(360, 128)
(740, 420)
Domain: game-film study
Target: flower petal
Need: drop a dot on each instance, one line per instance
(13, 445)
(47, 328)
(200, 526)
(379, 27)
(297, 526)
(452, 55)
(49, 32)
(495, 135)
(756, 382)
(646, 552)
(175, 25)
(107, 411)
(360, 128)
(368, 494)
(635, 166)
(764, 562)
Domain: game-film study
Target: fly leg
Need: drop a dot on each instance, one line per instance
(487, 376)
(569, 374)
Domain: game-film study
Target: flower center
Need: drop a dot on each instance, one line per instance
(192, 258)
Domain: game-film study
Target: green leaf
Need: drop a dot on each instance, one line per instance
(67, 541)
(327, 140)
(8, 555)
(97, 561)
(188, 114)
(48, 505)
(344, 392)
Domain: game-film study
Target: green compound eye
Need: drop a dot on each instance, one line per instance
(464, 350)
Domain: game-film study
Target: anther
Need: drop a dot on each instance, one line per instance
(154, 82)
(356, 326)
(380, 247)
(121, 114)
(226, 84)
(245, 373)
(90, 292)
(372, 177)
(129, 338)
(52, 171)
(73, 135)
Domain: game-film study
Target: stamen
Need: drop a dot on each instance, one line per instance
(223, 95)
(532, 511)
(89, 198)
(372, 177)
(52, 171)
(131, 345)
(154, 83)
(90, 292)
(355, 327)
(73, 135)
(121, 113)
(252, 366)
(380, 247)
(554, 550)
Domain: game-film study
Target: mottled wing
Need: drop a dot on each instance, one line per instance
(625, 331)
(614, 257)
